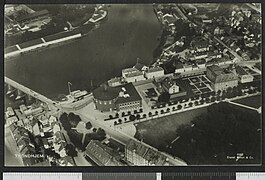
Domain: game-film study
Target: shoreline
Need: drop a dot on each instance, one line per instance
(76, 33)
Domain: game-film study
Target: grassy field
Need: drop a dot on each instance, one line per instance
(161, 130)
(254, 101)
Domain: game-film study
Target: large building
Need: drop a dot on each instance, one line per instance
(124, 97)
(105, 98)
(140, 155)
(129, 98)
(101, 155)
(221, 79)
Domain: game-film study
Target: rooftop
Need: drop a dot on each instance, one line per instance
(155, 69)
(129, 89)
(139, 66)
(101, 154)
(151, 155)
(105, 93)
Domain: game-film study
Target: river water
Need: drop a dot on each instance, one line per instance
(130, 32)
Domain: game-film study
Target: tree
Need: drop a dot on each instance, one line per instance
(101, 132)
(144, 115)
(70, 150)
(129, 113)
(115, 123)
(117, 115)
(164, 97)
(150, 114)
(120, 121)
(173, 108)
(168, 109)
(162, 111)
(138, 116)
(190, 104)
(179, 107)
(123, 114)
(141, 110)
(94, 129)
(88, 125)
(132, 117)
(110, 117)
(156, 112)
(135, 111)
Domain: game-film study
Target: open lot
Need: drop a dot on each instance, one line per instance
(158, 131)
(254, 101)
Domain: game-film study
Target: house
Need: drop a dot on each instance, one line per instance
(220, 79)
(134, 77)
(154, 72)
(170, 86)
(101, 154)
(199, 45)
(128, 71)
(218, 31)
(244, 76)
(115, 81)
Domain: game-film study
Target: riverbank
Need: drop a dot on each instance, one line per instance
(57, 39)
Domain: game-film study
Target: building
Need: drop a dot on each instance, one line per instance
(218, 31)
(124, 97)
(127, 71)
(134, 77)
(140, 67)
(220, 79)
(115, 81)
(101, 155)
(139, 154)
(170, 86)
(199, 45)
(154, 72)
(105, 98)
(243, 76)
(129, 98)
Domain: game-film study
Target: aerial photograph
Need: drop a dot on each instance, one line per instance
(172, 84)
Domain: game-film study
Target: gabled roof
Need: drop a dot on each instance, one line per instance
(139, 66)
(155, 69)
(168, 83)
(101, 154)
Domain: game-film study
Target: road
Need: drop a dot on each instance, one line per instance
(113, 132)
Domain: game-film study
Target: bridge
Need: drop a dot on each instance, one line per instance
(30, 92)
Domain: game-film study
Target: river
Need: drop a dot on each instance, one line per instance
(130, 32)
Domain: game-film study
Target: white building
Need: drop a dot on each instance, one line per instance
(134, 77)
(154, 72)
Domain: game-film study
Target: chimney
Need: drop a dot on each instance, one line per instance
(105, 87)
